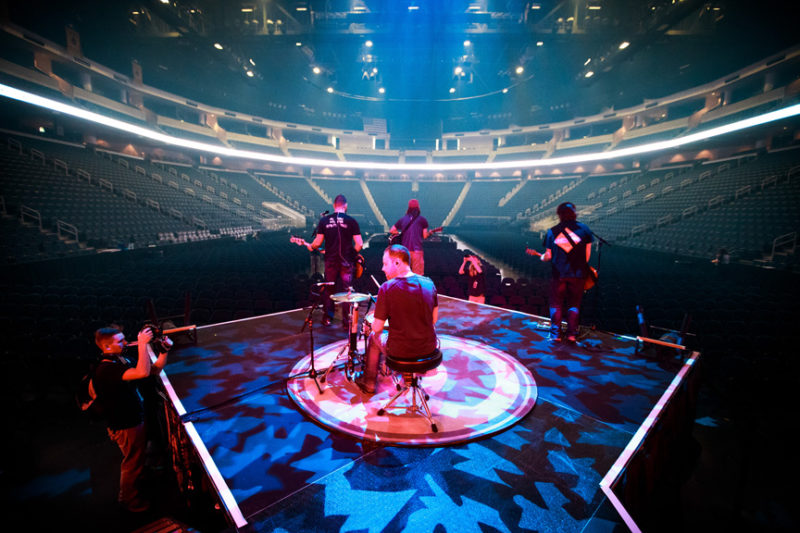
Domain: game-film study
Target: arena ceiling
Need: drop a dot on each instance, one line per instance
(424, 66)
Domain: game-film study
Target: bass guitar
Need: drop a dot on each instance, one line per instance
(396, 238)
(591, 276)
(359, 266)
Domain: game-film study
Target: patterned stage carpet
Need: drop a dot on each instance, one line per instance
(289, 473)
(476, 391)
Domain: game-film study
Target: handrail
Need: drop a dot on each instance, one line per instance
(67, 229)
(781, 241)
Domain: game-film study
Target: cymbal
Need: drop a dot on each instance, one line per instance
(349, 297)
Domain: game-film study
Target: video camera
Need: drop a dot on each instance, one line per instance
(160, 343)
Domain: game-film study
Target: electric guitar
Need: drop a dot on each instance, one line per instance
(588, 282)
(359, 266)
(395, 239)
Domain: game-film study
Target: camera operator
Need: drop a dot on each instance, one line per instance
(477, 281)
(119, 403)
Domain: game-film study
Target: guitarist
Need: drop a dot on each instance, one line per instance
(342, 237)
(568, 246)
(412, 229)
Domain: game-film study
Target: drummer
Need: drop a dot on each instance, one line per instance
(410, 302)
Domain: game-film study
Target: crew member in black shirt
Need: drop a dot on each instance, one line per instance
(119, 403)
(342, 238)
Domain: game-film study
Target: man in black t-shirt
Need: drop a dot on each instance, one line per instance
(118, 401)
(410, 303)
(342, 238)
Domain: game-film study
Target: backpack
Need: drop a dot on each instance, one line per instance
(85, 395)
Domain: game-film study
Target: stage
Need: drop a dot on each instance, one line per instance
(276, 468)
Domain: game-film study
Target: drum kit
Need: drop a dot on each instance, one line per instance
(354, 360)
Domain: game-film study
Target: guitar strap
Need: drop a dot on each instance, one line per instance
(574, 246)
(410, 223)
(399, 235)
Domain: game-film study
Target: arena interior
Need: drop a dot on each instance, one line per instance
(157, 156)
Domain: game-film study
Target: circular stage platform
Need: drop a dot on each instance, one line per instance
(476, 391)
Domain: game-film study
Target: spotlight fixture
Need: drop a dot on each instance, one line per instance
(467, 43)
(505, 90)
(316, 70)
(381, 90)
(329, 89)
(250, 74)
(539, 43)
(458, 70)
(368, 44)
(589, 74)
(623, 45)
(519, 70)
(298, 43)
(452, 90)
(218, 46)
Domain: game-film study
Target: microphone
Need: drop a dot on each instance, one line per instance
(326, 212)
(321, 283)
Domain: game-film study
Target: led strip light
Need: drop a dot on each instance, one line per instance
(54, 105)
(606, 484)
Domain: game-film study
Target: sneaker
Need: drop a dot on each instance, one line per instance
(553, 337)
(326, 321)
(571, 339)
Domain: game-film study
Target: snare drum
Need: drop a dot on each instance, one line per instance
(369, 319)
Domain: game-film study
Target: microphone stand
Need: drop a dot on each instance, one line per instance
(309, 321)
(597, 296)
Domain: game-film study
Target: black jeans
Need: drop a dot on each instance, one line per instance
(342, 274)
(567, 291)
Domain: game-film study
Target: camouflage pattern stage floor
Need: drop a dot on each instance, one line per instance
(286, 472)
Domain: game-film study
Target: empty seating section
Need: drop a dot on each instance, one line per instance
(219, 186)
(705, 209)
(296, 191)
(539, 194)
(22, 243)
(357, 205)
(745, 227)
(100, 216)
(171, 193)
(481, 205)
(691, 209)
(392, 198)
(436, 198)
